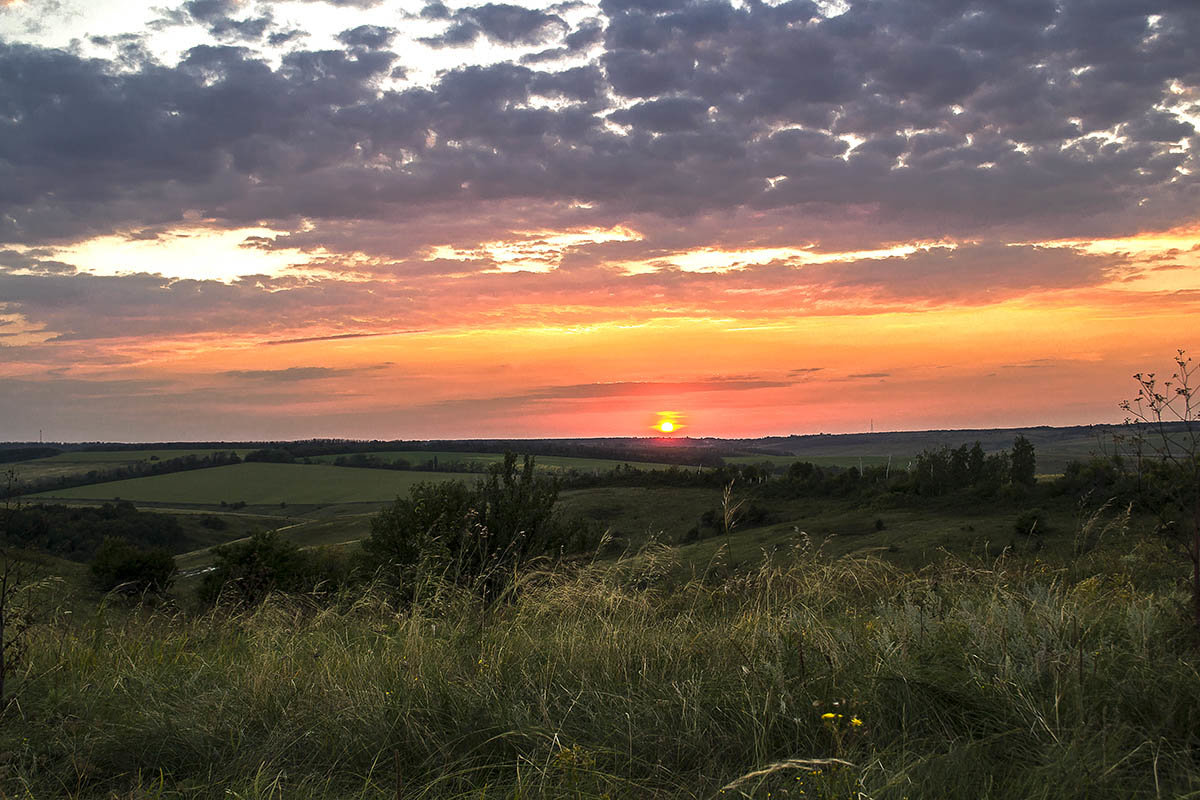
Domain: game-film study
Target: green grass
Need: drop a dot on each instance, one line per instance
(259, 484)
(1008, 678)
(322, 531)
(636, 514)
(444, 457)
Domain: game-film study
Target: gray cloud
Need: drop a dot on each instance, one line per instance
(502, 23)
(970, 122)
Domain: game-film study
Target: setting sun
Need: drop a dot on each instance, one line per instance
(668, 422)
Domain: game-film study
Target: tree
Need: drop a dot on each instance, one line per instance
(1024, 462)
(1164, 445)
(975, 463)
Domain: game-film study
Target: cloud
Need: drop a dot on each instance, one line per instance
(501, 23)
(294, 374)
(374, 37)
(1003, 123)
(644, 388)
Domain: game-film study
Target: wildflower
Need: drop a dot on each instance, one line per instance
(829, 715)
(855, 721)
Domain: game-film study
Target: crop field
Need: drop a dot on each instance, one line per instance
(844, 460)
(419, 457)
(83, 461)
(1055, 446)
(259, 484)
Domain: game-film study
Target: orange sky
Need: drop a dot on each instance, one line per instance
(595, 367)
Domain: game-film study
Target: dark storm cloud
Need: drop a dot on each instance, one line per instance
(968, 120)
(499, 22)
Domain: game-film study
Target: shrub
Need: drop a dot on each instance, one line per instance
(247, 571)
(473, 535)
(128, 569)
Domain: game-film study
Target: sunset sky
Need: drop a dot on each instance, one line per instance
(260, 219)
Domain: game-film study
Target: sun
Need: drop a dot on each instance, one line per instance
(667, 423)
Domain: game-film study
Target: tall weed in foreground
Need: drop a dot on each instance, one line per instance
(804, 678)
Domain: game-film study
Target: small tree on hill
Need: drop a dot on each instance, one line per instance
(1024, 462)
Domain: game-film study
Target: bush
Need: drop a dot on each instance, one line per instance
(1031, 523)
(213, 522)
(128, 569)
(247, 571)
(474, 536)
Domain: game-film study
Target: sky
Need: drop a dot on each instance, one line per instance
(281, 219)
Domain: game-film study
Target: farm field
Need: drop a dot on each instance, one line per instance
(79, 462)
(419, 457)
(259, 484)
(1055, 446)
(844, 460)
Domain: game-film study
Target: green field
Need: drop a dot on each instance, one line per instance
(83, 461)
(259, 484)
(1055, 446)
(444, 457)
(847, 460)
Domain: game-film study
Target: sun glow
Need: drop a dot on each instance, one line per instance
(668, 422)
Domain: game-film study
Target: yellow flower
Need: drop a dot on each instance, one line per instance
(831, 716)
(855, 721)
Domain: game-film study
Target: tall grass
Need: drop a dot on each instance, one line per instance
(805, 677)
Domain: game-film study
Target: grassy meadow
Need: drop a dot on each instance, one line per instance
(805, 676)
